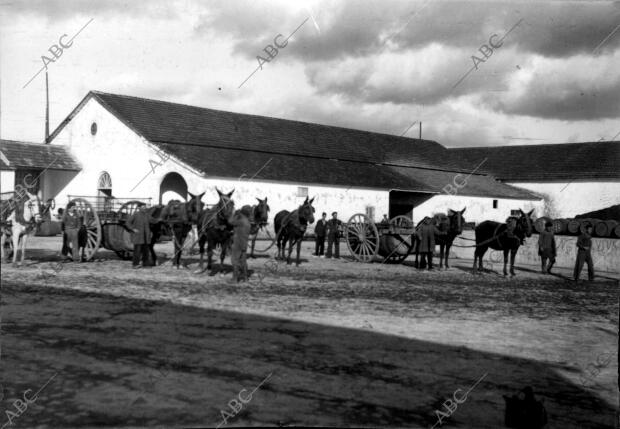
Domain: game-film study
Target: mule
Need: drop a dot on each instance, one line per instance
(291, 227)
(214, 229)
(23, 212)
(258, 220)
(180, 217)
(494, 235)
(453, 227)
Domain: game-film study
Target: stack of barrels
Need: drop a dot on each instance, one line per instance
(600, 228)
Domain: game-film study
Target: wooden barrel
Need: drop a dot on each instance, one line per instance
(611, 225)
(560, 226)
(601, 229)
(573, 226)
(585, 222)
(539, 224)
(116, 238)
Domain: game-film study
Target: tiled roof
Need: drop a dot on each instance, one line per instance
(567, 161)
(35, 156)
(227, 144)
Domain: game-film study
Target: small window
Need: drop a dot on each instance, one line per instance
(93, 128)
(515, 213)
(302, 192)
(370, 212)
(494, 204)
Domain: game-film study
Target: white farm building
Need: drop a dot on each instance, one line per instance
(129, 147)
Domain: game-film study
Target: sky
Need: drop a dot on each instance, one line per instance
(474, 73)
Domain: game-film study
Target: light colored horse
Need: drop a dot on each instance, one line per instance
(25, 214)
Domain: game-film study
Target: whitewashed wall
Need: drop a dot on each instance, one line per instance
(572, 198)
(7, 180)
(114, 148)
(478, 208)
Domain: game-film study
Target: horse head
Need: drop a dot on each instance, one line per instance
(32, 208)
(194, 207)
(457, 221)
(524, 222)
(225, 206)
(261, 212)
(306, 211)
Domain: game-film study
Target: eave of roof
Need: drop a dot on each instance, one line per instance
(37, 156)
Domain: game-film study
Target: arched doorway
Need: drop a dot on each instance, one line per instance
(104, 191)
(173, 187)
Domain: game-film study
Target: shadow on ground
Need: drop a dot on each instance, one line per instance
(135, 362)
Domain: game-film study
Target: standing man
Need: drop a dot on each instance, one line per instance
(426, 236)
(546, 248)
(584, 246)
(141, 237)
(319, 232)
(333, 236)
(241, 234)
(72, 223)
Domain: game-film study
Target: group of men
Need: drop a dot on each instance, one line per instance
(332, 229)
(547, 251)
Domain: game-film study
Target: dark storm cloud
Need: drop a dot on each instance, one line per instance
(567, 90)
(361, 28)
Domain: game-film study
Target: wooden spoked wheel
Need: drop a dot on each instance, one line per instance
(93, 227)
(128, 209)
(400, 240)
(362, 237)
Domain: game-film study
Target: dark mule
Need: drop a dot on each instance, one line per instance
(180, 217)
(496, 236)
(452, 225)
(291, 227)
(258, 220)
(214, 228)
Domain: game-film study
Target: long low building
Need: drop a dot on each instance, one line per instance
(573, 178)
(130, 147)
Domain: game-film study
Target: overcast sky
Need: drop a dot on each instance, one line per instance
(371, 65)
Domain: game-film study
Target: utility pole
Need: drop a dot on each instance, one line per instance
(47, 109)
(420, 130)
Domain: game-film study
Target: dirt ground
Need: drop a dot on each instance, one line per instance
(334, 342)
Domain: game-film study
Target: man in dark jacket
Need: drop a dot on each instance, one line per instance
(319, 233)
(72, 223)
(584, 246)
(546, 248)
(139, 223)
(333, 236)
(426, 236)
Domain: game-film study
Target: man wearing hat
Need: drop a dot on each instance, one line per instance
(333, 236)
(426, 239)
(72, 222)
(139, 223)
(546, 248)
(584, 254)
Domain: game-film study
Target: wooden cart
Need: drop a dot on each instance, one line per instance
(104, 221)
(393, 241)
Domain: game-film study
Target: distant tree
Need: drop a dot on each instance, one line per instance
(550, 209)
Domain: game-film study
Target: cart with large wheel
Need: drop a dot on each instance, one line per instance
(104, 223)
(393, 241)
